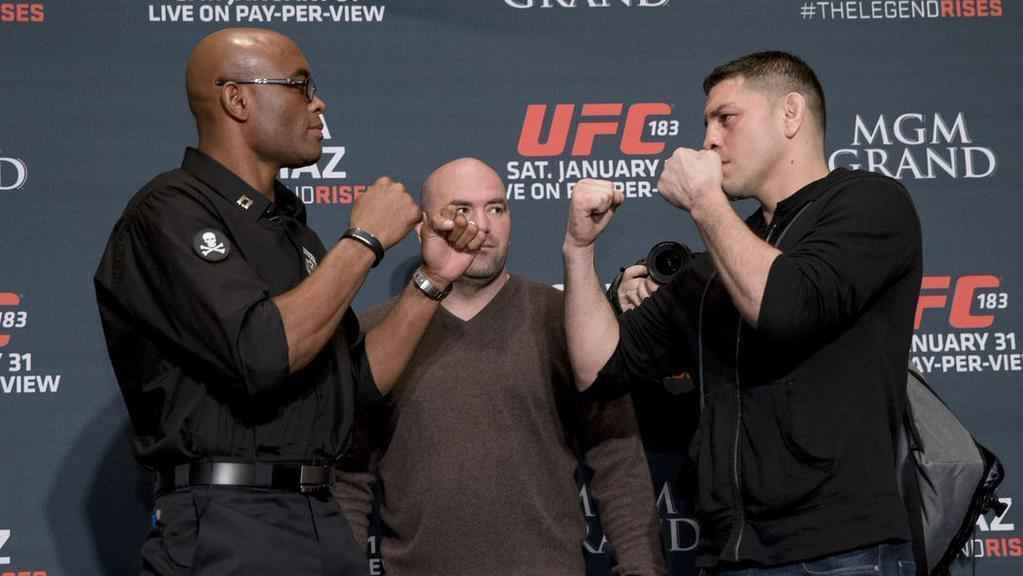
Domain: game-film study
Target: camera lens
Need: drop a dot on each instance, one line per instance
(665, 260)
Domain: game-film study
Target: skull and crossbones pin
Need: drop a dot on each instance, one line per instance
(211, 245)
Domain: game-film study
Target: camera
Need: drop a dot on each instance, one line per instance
(666, 259)
(663, 262)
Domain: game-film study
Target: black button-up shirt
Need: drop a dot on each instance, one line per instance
(197, 344)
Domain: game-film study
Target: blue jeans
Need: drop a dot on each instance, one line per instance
(878, 560)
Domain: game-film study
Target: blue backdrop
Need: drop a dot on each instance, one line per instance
(92, 104)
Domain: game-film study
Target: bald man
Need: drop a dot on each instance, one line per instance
(229, 329)
(476, 447)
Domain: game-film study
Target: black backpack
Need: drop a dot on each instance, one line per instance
(947, 479)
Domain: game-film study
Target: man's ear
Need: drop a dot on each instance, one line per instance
(234, 102)
(795, 113)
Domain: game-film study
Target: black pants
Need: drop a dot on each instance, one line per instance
(219, 531)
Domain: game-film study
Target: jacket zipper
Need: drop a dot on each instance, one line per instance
(738, 428)
(735, 446)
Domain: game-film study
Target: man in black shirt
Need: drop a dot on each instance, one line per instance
(796, 325)
(229, 329)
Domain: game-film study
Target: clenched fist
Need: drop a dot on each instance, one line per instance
(691, 177)
(385, 210)
(450, 242)
(593, 204)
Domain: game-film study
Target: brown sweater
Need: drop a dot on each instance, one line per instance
(474, 452)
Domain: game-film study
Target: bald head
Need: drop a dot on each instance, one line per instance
(232, 53)
(457, 177)
(475, 191)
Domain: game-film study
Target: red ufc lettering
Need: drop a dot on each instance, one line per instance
(961, 314)
(7, 299)
(587, 130)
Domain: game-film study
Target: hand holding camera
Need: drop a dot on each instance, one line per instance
(639, 281)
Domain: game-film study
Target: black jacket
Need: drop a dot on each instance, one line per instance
(795, 448)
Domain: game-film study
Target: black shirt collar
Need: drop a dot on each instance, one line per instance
(791, 205)
(248, 201)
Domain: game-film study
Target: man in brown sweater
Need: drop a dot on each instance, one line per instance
(475, 449)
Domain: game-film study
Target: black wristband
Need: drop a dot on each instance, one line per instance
(369, 240)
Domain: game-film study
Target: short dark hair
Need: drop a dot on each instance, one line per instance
(776, 69)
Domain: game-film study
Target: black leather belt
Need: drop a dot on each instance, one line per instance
(286, 476)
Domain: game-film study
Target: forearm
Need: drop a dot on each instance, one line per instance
(590, 324)
(742, 260)
(390, 344)
(312, 310)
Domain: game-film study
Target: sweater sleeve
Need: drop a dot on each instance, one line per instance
(622, 484)
(353, 491)
(621, 480)
(356, 471)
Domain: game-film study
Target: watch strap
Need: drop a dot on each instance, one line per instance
(426, 286)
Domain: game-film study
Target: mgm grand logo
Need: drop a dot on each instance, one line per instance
(917, 146)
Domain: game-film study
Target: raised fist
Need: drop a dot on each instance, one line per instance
(690, 177)
(592, 207)
(385, 210)
(450, 241)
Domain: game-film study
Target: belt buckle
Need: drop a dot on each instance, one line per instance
(314, 479)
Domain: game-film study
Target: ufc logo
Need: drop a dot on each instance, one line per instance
(966, 298)
(588, 128)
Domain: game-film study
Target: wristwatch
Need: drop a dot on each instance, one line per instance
(426, 286)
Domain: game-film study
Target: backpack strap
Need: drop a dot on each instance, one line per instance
(907, 442)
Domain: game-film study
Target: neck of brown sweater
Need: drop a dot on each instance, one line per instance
(468, 299)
